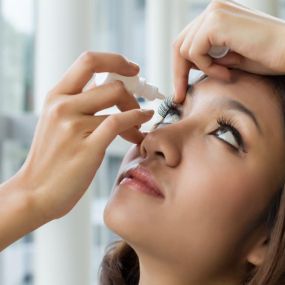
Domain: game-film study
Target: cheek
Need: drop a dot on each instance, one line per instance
(218, 200)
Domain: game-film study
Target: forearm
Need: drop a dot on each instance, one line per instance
(18, 215)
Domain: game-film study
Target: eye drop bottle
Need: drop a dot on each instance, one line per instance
(136, 85)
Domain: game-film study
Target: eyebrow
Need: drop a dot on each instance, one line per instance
(235, 105)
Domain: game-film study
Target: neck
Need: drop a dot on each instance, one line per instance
(156, 273)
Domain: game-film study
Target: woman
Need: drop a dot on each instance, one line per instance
(197, 201)
(205, 225)
(76, 146)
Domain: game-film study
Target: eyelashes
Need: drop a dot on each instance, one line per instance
(166, 106)
(169, 112)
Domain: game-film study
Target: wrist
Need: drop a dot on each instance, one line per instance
(19, 211)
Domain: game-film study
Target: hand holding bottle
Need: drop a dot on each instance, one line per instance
(255, 39)
(69, 144)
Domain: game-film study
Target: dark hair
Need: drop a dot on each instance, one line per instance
(120, 265)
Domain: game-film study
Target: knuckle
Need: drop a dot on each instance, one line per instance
(192, 53)
(118, 85)
(87, 58)
(72, 126)
(58, 109)
(184, 51)
(112, 122)
(118, 88)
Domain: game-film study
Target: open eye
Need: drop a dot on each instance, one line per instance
(229, 134)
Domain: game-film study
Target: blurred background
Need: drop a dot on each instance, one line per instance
(38, 42)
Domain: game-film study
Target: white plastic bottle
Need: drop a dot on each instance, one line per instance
(136, 85)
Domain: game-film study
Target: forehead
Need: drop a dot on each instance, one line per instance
(252, 91)
(244, 87)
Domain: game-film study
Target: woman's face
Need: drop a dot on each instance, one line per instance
(217, 168)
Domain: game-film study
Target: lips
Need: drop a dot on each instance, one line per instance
(142, 176)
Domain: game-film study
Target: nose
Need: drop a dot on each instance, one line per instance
(162, 143)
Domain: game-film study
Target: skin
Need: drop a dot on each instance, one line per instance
(210, 223)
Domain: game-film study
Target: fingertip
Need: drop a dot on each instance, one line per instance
(133, 136)
(147, 112)
(133, 68)
(177, 98)
(134, 65)
(180, 92)
(219, 72)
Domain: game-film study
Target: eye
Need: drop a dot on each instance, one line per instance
(173, 115)
(169, 112)
(229, 134)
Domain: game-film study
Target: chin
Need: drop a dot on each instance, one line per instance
(121, 215)
(128, 214)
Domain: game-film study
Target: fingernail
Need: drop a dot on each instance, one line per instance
(147, 111)
(134, 65)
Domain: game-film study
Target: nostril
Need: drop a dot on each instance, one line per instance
(160, 153)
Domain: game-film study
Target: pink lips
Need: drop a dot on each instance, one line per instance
(141, 179)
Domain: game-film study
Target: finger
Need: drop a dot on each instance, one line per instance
(116, 124)
(132, 135)
(181, 68)
(181, 73)
(104, 96)
(181, 61)
(87, 124)
(89, 63)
